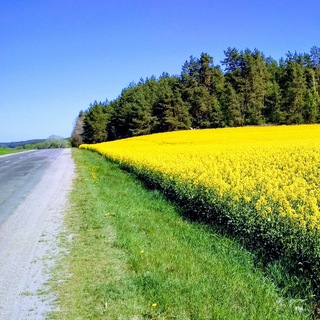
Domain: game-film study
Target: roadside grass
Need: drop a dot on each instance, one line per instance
(133, 256)
(4, 151)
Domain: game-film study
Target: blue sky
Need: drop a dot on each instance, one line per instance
(58, 56)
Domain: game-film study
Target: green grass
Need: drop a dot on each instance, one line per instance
(132, 256)
(4, 151)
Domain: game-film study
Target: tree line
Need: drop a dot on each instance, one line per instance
(246, 89)
(51, 143)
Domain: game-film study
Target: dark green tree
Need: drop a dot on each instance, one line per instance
(312, 101)
(249, 90)
(95, 123)
(315, 64)
(199, 92)
(247, 73)
(255, 84)
(170, 111)
(273, 112)
(233, 67)
(294, 90)
(231, 107)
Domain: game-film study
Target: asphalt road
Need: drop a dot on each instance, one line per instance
(33, 198)
(19, 174)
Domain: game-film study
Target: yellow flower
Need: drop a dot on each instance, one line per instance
(268, 167)
(154, 305)
(110, 214)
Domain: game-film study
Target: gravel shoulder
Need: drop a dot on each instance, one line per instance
(28, 243)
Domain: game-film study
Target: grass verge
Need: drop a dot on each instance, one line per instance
(4, 151)
(132, 256)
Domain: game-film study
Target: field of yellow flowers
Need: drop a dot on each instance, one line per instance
(260, 183)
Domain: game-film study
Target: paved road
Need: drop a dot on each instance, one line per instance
(19, 174)
(33, 197)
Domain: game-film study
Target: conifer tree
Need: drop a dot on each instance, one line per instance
(294, 90)
(250, 90)
(170, 110)
(231, 107)
(95, 123)
(273, 112)
(254, 87)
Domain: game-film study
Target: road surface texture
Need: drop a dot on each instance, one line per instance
(33, 196)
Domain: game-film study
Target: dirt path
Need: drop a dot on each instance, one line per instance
(28, 244)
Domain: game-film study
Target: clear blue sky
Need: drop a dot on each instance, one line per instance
(58, 56)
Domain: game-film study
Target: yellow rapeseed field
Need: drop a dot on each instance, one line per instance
(275, 168)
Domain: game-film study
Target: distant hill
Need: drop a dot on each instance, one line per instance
(19, 143)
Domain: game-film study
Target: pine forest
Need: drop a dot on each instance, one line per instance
(248, 88)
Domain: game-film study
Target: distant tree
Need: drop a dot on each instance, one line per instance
(76, 135)
(54, 142)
